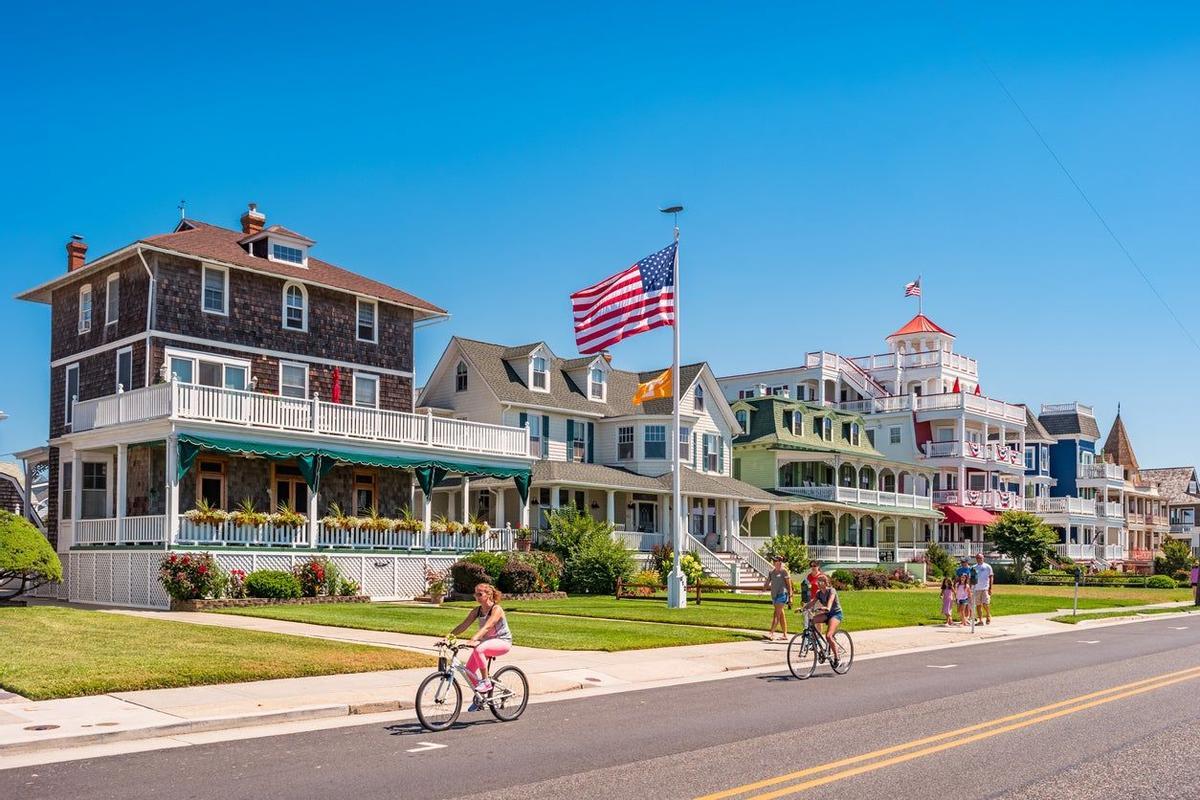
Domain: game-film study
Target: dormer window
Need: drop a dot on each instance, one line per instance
(743, 419)
(699, 398)
(295, 307)
(596, 383)
(287, 254)
(827, 429)
(854, 434)
(460, 377)
(539, 375)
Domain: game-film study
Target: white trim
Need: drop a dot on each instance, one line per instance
(375, 322)
(117, 371)
(71, 359)
(196, 357)
(204, 267)
(533, 357)
(86, 289)
(354, 388)
(275, 240)
(108, 294)
(299, 364)
(303, 307)
(68, 419)
(241, 348)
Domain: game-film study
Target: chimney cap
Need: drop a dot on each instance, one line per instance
(76, 237)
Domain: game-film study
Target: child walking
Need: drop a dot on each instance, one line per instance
(948, 600)
(962, 594)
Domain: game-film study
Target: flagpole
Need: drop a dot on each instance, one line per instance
(920, 297)
(676, 585)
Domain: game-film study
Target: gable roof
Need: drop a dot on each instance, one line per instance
(920, 324)
(767, 428)
(1173, 482)
(1070, 424)
(491, 361)
(1035, 430)
(1118, 447)
(202, 240)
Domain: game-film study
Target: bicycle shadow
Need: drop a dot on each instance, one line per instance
(415, 728)
(789, 678)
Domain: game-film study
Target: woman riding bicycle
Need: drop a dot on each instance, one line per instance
(493, 638)
(828, 610)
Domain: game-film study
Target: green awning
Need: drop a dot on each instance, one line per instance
(315, 463)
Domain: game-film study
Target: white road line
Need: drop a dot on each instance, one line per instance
(1089, 641)
(941, 666)
(423, 747)
(1180, 628)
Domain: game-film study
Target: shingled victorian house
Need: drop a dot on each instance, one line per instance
(210, 367)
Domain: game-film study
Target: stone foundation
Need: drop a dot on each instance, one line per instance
(247, 602)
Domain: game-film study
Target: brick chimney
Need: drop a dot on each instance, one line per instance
(253, 220)
(76, 253)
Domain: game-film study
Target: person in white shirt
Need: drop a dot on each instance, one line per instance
(984, 578)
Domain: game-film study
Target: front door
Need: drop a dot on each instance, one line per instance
(645, 517)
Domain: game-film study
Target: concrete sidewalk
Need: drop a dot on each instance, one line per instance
(27, 726)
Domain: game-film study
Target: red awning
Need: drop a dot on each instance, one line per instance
(968, 515)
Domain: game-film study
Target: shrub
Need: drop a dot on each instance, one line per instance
(1160, 582)
(595, 566)
(648, 580)
(790, 548)
(1176, 556)
(317, 575)
(467, 575)
(191, 576)
(571, 530)
(348, 588)
(492, 563)
(26, 558)
(237, 584)
(940, 561)
(843, 576)
(548, 566)
(272, 583)
(1184, 583)
(518, 578)
(692, 569)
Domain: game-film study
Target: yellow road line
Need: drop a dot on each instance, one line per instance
(1146, 684)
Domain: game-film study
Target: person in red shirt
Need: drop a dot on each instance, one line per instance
(814, 575)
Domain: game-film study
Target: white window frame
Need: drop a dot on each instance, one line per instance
(68, 416)
(646, 441)
(632, 443)
(195, 357)
(303, 307)
(204, 270)
(359, 303)
(112, 288)
(1030, 459)
(895, 435)
(299, 248)
(1044, 460)
(85, 325)
(855, 434)
(534, 371)
(685, 443)
(743, 419)
(463, 372)
(593, 383)
(371, 376)
(713, 442)
(826, 429)
(300, 365)
(117, 376)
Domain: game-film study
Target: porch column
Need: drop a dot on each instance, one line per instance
(427, 501)
(554, 498)
(172, 489)
(773, 521)
(525, 511)
(667, 519)
(611, 506)
(466, 498)
(500, 515)
(313, 499)
(821, 390)
(122, 489)
(76, 492)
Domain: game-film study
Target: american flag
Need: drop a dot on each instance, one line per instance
(633, 301)
(913, 289)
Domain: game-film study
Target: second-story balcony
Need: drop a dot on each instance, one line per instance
(1101, 472)
(991, 499)
(1003, 455)
(946, 401)
(191, 402)
(922, 358)
(1073, 506)
(1109, 509)
(851, 494)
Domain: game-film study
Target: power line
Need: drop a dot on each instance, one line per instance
(1095, 211)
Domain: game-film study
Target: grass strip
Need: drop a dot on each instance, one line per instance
(1071, 619)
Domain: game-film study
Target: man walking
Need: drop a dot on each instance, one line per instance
(984, 579)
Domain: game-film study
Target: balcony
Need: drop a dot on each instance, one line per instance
(1074, 506)
(1182, 528)
(1109, 510)
(993, 453)
(969, 403)
(992, 500)
(1052, 409)
(925, 358)
(1101, 472)
(1141, 555)
(849, 494)
(878, 405)
(190, 402)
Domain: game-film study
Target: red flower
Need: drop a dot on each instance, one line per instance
(202, 569)
(187, 559)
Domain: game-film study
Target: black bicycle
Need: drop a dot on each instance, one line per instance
(439, 697)
(809, 648)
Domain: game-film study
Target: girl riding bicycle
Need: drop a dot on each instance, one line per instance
(827, 609)
(493, 639)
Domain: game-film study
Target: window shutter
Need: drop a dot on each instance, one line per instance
(721, 456)
(704, 461)
(570, 440)
(591, 442)
(692, 450)
(524, 419)
(545, 436)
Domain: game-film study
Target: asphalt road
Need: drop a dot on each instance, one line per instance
(764, 736)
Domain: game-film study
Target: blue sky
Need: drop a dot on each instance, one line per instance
(494, 159)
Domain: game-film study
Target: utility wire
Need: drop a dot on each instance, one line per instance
(1095, 211)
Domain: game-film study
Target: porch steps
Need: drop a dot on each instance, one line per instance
(746, 574)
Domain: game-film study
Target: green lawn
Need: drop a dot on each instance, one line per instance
(530, 630)
(1071, 620)
(50, 652)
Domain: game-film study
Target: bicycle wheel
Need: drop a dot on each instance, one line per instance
(439, 701)
(845, 652)
(802, 656)
(511, 693)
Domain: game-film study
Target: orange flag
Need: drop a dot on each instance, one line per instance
(654, 388)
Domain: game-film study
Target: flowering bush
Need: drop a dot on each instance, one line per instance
(191, 576)
(693, 571)
(435, 581)
(237, 584)
(317, 576)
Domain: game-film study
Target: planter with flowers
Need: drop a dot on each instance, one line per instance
(522, 539)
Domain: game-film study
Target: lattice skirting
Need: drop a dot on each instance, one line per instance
(130, 577)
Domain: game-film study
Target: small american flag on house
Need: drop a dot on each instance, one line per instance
(633, 301)
(913, 288)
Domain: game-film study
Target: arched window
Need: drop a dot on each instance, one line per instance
(295, 307)
(460, 377)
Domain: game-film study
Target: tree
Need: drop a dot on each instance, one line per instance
(1024, 538)
(1176, 556)
(26, 558)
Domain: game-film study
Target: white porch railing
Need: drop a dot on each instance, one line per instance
(1098, 471)
(976, 404)
(1110, 510)
(96, 531)
(844, 553)
(924, 358)
(639, 541)
(878, 405)
(751, 556)
(273, 412)
(709, 560)
(1113, 552)
(961, 549)
(898, 553)
(227, 533)
(994, 500)
(1065, 505)
(1076, 552)
(850, 494)
(1184, 528)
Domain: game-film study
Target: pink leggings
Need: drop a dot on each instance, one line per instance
(488, 648)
